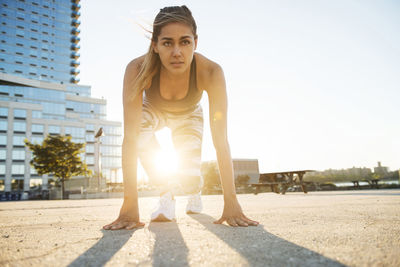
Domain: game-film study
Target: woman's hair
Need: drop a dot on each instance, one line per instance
(152, 63)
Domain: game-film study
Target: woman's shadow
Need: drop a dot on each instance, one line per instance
(101, 252)
(257, 246)
(169, 246)
(260, 248)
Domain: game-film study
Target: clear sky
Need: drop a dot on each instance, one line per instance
(311, 84)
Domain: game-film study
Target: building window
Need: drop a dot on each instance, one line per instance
(18, 140)
(19, 113)
(17, 169)
(19, 127)
(36, 139)
(3, 140)
(35, 183)
(89, 148)
(75, 132)
(37, 128)
(3, 154)
(89, 160)
(18, 154)
(90, 138)
(2, 169)
(3, 126)
(36, 114)
(54, 129)
(17, 184)
(89, 127)
(3, 112)
(33, 171)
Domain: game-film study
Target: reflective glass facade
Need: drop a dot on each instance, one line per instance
(40, 94)
(40, 39)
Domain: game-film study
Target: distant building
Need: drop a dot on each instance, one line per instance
(39, 94)
(381, 170)
(246, 167)
(243, 167)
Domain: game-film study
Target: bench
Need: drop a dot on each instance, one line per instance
(281, 181)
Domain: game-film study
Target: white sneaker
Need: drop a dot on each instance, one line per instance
(194, 204)
(166, 209)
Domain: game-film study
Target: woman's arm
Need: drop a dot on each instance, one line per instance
(217, 97)
(129, 213)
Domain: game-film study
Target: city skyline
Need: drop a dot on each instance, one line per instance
(311, 85)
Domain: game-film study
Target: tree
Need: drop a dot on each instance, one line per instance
(242, 179)
(59, 156)
(210, 174)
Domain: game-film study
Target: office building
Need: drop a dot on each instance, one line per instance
(40, 94)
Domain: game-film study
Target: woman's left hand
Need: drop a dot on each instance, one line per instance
(234, 216)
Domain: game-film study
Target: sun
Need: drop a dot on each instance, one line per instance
(166, 160)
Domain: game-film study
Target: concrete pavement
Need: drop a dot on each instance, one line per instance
(354, 228)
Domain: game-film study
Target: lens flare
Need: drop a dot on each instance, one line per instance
(166, 161)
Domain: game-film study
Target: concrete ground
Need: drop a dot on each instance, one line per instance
(354, 228)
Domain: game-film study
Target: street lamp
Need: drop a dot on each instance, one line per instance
(97, 136)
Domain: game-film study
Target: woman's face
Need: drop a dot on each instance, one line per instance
(175, 46)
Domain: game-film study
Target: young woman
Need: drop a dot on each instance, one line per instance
(163, 88)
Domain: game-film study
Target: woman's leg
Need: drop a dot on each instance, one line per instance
(187, 134)
(148, 144)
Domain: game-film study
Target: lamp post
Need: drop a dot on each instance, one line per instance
(98, 162)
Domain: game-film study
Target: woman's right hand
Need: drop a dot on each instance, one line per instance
(128, 218)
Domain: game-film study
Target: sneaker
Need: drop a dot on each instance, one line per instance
(194, 204)
(166, 209)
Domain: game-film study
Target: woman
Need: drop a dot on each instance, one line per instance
(174, 77)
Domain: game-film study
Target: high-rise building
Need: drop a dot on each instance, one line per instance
(40, 95)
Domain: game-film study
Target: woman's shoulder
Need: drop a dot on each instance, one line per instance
(134, 65)
(205, 64)
(206, 70)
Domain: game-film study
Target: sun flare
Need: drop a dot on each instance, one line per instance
(166, 161)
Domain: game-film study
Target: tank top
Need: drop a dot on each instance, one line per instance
(184, 105)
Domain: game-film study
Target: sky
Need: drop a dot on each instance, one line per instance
(311, 84)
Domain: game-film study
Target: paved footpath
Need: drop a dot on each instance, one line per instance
(353, 228)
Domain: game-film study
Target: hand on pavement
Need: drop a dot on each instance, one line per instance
(128, 218)
(234, 215)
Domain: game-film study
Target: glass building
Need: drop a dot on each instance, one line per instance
(40, 95)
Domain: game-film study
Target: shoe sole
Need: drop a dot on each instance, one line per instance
(162, 218)
(192, 212)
